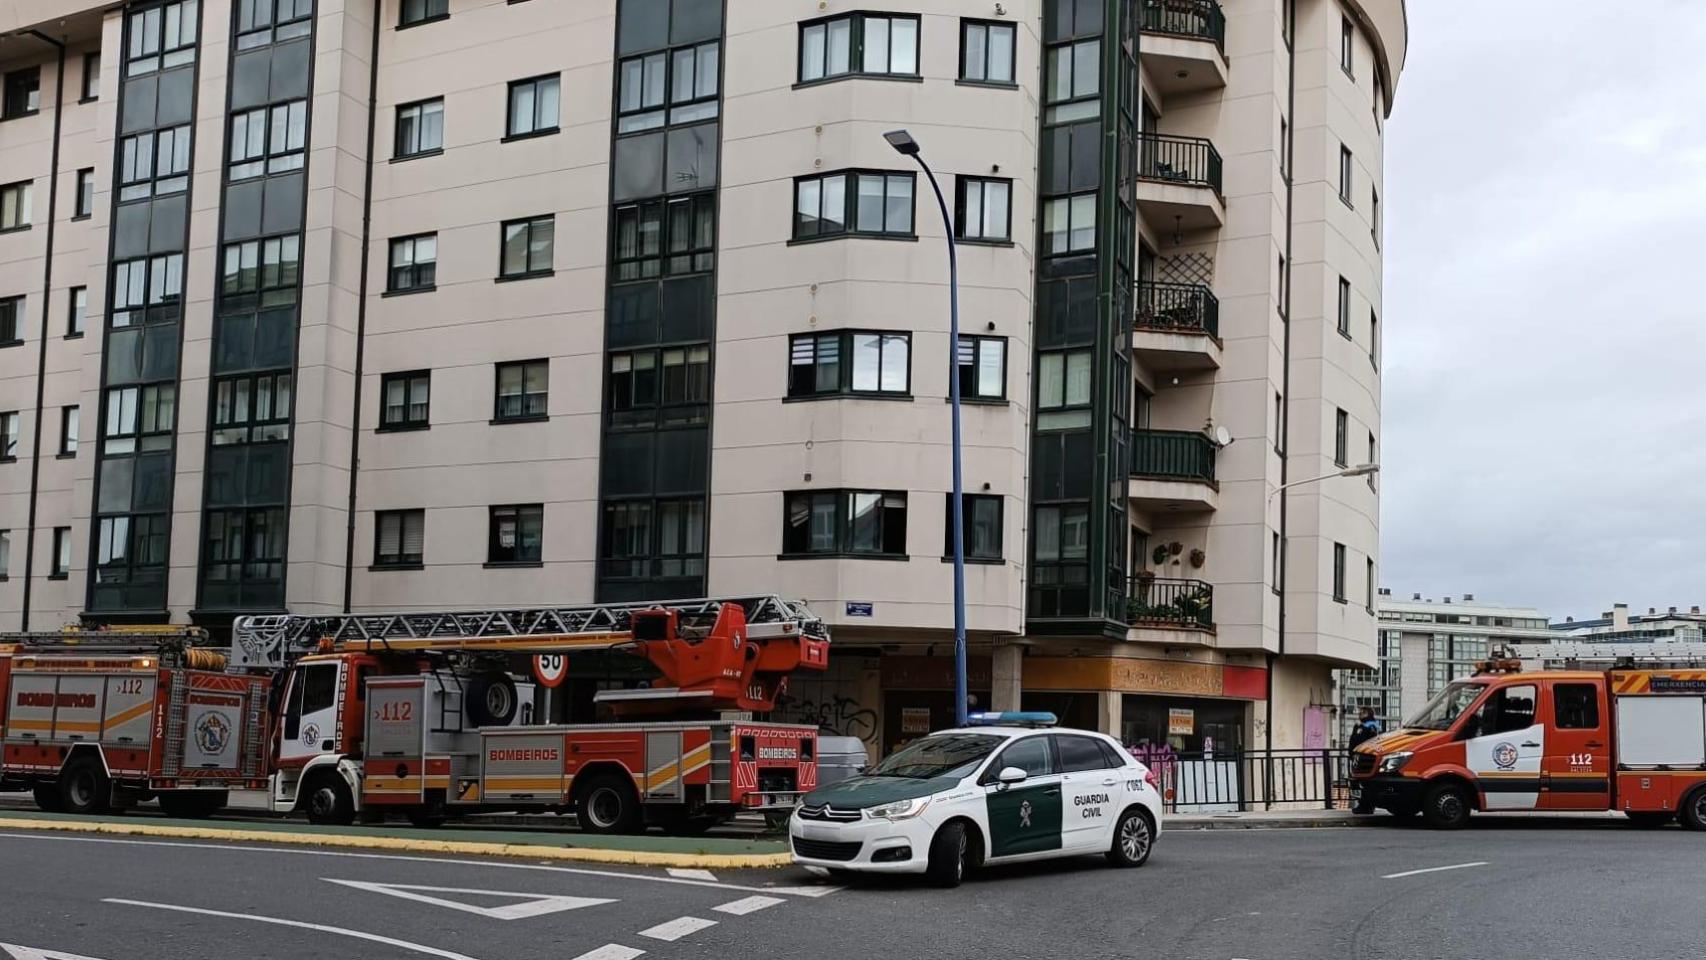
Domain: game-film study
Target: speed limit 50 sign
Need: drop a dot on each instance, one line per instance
(550, 669)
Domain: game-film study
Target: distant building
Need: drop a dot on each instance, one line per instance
(1617, 625)
(1425, 644)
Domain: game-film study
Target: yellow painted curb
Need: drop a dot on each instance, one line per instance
(637, 858)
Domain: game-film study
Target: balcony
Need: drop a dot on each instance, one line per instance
(1176, 327)
(1179, 182)
(1184, 45)
(1163, 603)
(1173, 471)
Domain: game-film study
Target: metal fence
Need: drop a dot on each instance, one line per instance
(1172, 455)
(1183, 307)
(1160, 601)
(1227, 781)
(1192, 161)
(1202, 19)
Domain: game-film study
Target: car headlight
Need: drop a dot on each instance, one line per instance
(898, 810)
(1393, 762)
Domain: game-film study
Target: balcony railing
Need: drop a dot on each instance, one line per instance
(1192, 161)
(1197, 19)
(1162, 602)
(1172, 455)
(1178, 307)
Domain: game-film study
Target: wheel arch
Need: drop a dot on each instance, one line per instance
(81, 750)
(1456, 778)
(328, 765)
(975, 834)
(598, 769)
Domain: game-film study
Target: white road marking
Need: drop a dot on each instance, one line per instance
(531, 905)
(677, 928)
(746, 905)
(300, 925)
(682, 874)
(814, 891)
(611, 951)
(1455, 866)
(30, 953)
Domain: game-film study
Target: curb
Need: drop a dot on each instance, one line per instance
(1319, 823)
(639, 858)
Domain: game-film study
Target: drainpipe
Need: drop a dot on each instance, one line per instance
(361, 307)
(1285, 359)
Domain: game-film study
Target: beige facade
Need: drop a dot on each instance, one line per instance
(1257, 239)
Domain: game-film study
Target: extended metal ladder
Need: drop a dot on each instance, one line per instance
(1609, 654)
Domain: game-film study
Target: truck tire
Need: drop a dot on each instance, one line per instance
(1446, 806)
(83, 786)
(1693, 812)
(193, 804)
(607, 804)
(47, 798)
(1134, 837)
(327, 801)
(492, 700)
(950, 855)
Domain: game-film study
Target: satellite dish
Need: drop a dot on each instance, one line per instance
(1223, 436)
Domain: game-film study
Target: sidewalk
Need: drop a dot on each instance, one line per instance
(1298, 819)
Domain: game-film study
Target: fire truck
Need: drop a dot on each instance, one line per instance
(1625, 729)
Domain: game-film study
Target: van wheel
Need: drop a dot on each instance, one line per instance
(83, 786)
(950, 856)
(47, 798)
(1134, 837)
(1693, 812)
(1446, 807)
(607, 804)
(327, 801)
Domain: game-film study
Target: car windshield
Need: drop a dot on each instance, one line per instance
(947, 755)
(1444, 709)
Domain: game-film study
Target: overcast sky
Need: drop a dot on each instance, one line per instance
(1545, 355)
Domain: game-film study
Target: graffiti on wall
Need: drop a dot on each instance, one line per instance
(837, 703)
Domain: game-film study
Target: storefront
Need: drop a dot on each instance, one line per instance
(1187, 724)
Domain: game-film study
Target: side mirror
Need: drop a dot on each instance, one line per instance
(1011, 775)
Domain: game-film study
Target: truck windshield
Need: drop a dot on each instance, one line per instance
(1443, 710)
(949, 755)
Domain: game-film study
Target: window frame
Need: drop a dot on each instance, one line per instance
(971, 502)
(537, 84)
(70, 429)
(962, 191)
(161, 151)
(857, 22)
(416, 111)
(76, 316)
(269, 283)
(21, 194)
(272, 157)
(139, 58)
(1076, 106)
(83, 207)
(410, 380)
(668, 111)
(1347, 46)
(979, 344)
(1341, 437)
(427, 14)
(1593, 720)
(60, 561)
(91, 71)
(11, 433)
(297, 22)
(12, 317)
(527, 369)
(29, 95)
(1066, 412)
(1368, 586)
(1373, 338)
(401, 559)
(967, 24)
(1073, 203)
(841, 500)
(122, 438)
(1344, 323)
(413, 267)
(622, 557)
(154, 305)
(635, 400)
(235, 404)
(850, 222)
(1339, 554)
(519, 513)
(846, 343)
(274, 534)
(642, 264)
(1347, 176)
(529, 225)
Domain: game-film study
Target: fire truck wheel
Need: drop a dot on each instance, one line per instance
(492, 699)
(47, 797)
(327, 801)
(1446, 807)
(83, 786)
(1693, 814)
(607, 804)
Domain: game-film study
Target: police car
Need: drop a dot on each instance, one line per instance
(1007, 789)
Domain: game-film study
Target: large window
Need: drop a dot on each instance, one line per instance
(1069, 225)
(980, 526)
(251, 409)
(1064, 390)
(414, 263)
(131, 548)
(405, 400)
(521, 391)
(11, 321)
(1344, 307)
(872, 44)
(985, 209)
(420, 128)
(849, 361)
(70, 425)
(399, 538)
(147, 290)
(534, 106)
(245, 545)
(1341, 437)
(140, 418)
(667, 386)
(260, 22)
(981, 365)
(665, 237)
(77, 311)
(263, 271)
(154, 163)
(22, 94)
(15, 205)
(516, 533)
(528, 246)
(269, 139)
(1339, 572)
(9, 435)
(422, 11)
(872, 203)
(830, 522)
(673, 87)
(162, 36)
(1073, 82)
(986, 51)
(85, 205)
(643, 539)
(1062, 534)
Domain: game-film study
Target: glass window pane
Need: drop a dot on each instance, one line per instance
(540, 246)
(876, 45)
(808, 200)
(895, 350)
(834, 204)
(1001, 54)
(1083, 223)
(839, 54)
(1051, 380)
(1086, 62)
(903, 46)
(975, 65)
(629, 98)
(1077, 378)
(811, 52)
(549, 108)
(899, 219)
(705, 70)
(870, 210)
(864, 522)
(867, 359)
(1055, 226)
(991, 361)
(996, 197)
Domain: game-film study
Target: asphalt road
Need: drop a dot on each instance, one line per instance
(1525, 890)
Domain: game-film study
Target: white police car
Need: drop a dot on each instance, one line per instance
(1007, 789)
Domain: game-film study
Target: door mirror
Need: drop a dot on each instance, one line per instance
(1011, 775)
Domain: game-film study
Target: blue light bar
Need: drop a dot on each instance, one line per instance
(1012, 718)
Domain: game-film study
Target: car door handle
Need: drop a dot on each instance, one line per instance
(1052, 792)
(1531, 743)
(1109, 783)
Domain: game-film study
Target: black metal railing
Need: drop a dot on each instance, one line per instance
(1236, 780)
(1160, 601)
(1180, 307)
(1192, 161)
(1198, 19)
(1172, 455)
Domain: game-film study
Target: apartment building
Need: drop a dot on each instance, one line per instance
(384, 304)
(1618, 625)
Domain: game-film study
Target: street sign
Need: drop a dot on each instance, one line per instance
(860, 609)
(550, 669)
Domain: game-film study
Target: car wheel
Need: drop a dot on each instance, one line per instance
(1134, 838)
(1693, 812)
(949, 852)
(1446, 807)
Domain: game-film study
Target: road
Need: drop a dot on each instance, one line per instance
(1498, 891)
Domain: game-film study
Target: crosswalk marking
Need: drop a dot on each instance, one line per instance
(746, 905)
(684, 874)
(677, 928)
(611, 951)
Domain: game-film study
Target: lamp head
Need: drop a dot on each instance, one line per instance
(902, 142)
(1360, 470)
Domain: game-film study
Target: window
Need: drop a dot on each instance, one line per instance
(1279, 287)
(521, 390)
(414, 263)
(162, 36)
(260, 22)
(1368, 586)
(859, 522)
(399, 538)
(872, 203)
(533, 106)
(986, 51)
(140, 418)
(1069, 225)
(153, 163)
(1373, 338)
(1344, 308)
(263, 271)
(15, 205)
(653, 387)
(665, 237)
(644, 540)
(91, 76)
(420, 128)
(1284, 144)
(1506, 710)
(244, 546)
(685, 79)
(1374, 216)
(1346, 163)
(985, 209)
(849, 361)
(61, 563)
(22, 95)
(527, 247)
(70, 424)
(11, 321)
(980, 526)
(5, 553)
(423, 11)
(1279, 423)
(1062, 534)
(1341, 438)
(77, 302)
(516, 532)
(1073, 81)
(1575, 706)
(1339, 572)
(131, 548)
(1278, 559)
(1371, 458)
(861, 43)
(9, 436)
(981, 365)
(1079, 754)
(147, 290)
(1347, 45)
(1063, 390)
(269, 139)
(405, 400)
(1031, 755)
(251, 409)
(85, 204)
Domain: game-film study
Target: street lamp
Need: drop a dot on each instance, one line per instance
(908, 147)
(1360, 470)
